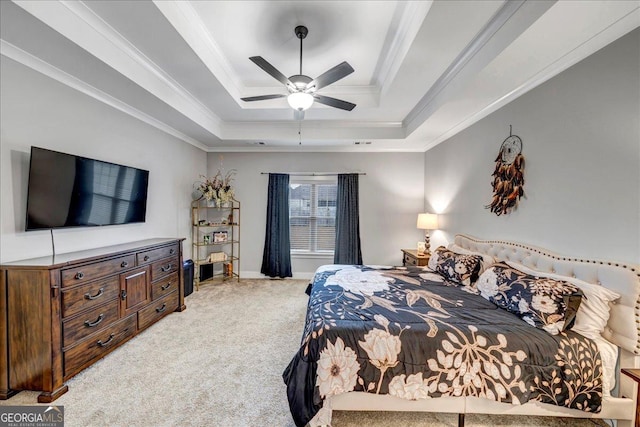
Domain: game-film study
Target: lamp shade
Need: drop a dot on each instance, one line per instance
(300, 101)
(427, 221)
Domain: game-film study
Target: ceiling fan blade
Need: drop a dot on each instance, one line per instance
(298, 114)
(262, 97)
(331, 76)
(333, 102)
(270, 69)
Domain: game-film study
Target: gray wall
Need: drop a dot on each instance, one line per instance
(36, 110)
(391, 196)
(581, 138)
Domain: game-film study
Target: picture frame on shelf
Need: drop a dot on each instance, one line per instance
(220, 236)
(206, 239)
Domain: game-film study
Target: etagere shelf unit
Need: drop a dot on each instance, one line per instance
(215, 241)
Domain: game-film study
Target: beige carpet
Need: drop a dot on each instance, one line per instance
(219, 363)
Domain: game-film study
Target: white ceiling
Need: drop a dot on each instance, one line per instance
(424, 70)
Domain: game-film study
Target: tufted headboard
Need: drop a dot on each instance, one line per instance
(623, 328)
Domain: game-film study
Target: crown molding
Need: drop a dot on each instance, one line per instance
(316, 130)
(430, 101)
(404, 29)
(77, 22)
(187, 22)
(624, 25)
(10, 51)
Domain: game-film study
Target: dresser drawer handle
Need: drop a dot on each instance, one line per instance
(124, 264)
(172, 251)
(96, 323)
(161, 309)
(146, 258)
(168, 267)
(165, 287)
(123, 295)
(79, 275)
(96, 296)
(107, 342)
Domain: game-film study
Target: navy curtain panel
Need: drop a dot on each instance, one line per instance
(347, 221)
(276, 258)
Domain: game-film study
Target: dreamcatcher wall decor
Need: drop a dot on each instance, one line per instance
(508, 176)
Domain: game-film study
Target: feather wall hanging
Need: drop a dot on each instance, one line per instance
(508, 176)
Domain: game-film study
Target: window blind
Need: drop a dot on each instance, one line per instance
(312, 216)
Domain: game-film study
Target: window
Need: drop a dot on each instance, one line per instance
(312, 216)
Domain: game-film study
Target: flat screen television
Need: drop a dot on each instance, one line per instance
(72, 191)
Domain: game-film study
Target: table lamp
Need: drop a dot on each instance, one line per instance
(427, 221)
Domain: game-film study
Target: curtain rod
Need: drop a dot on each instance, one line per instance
(314, 173)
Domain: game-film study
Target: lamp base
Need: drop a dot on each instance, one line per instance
(427, 250)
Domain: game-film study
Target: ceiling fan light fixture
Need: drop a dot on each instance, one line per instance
(300, 101)
(302, 89)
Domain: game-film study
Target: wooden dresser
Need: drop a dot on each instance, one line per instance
(59, 315)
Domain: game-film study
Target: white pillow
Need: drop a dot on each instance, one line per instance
(593, 313)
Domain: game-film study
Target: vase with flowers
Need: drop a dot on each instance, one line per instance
(217, 191)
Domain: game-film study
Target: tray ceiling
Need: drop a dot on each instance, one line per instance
(424, 70)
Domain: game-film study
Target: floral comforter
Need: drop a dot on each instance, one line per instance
(408, 333)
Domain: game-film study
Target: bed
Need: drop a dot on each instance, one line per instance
(459, 336)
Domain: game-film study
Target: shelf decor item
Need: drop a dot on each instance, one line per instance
(218, 191)
(220, 236)
(217, 257)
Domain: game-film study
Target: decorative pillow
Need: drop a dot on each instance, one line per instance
(541, 302)
(487, 260)
(457, 268)
(593, 313)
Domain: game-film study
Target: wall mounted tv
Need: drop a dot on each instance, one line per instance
(72, 191)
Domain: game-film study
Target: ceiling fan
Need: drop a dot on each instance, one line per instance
(302, 89)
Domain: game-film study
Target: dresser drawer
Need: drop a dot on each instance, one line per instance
(411, 257)
(85, 324)
(157, 309)
(88, 272)
(98, 345)
(409, 260)
(157, 254)
(164, 286)
(90, 295)
(164, 268)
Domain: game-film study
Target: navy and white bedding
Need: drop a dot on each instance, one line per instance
(411, 333)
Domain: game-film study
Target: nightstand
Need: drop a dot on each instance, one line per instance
(634, 374)
(411, 257)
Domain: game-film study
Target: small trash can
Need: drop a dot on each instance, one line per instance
(188, 277)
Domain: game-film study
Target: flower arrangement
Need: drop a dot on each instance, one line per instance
(218, 188)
